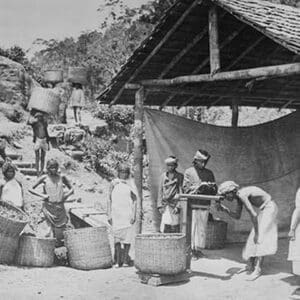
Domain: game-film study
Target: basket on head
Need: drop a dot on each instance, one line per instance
(8, 248)
(88, 248)
(216, 232)
(53, 76)
(77, 75)
(36, 252)
(12, 219)
(160, 253)
(45, 100)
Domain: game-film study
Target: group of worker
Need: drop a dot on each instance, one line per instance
(262, 240)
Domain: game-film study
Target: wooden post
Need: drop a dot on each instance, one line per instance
(138, 153)
(214, 52)
(235, 114)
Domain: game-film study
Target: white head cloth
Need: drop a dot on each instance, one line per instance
(227, 187)
(171, 160)
(201, 156)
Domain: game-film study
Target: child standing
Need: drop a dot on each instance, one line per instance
(54, 196)
(39, 126)
(77, 101)
(11, 190)
(121, 212)
(167, 204)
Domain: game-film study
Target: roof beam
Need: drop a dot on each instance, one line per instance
(267, 72)
(196, 92)
(286, 104)
(205, 62)
(158, 46)
(237, 60)
(214, 51)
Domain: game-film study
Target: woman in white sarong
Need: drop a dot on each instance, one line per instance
(294, 234)
(121, 211)
(262, 240)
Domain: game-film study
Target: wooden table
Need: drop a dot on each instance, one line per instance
(187, 204)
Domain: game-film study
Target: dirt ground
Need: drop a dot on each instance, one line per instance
(212, 278)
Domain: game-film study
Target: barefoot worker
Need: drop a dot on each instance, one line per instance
(39, 125)
(170, 185)
(193, 179)
(77, 101)
(121, 212)
(54, 196)
(294, 234)
(262, 239)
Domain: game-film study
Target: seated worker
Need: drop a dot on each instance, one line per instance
(262, 240)
(170, 185)
(39, 126)
(11, 190)
(194, 177)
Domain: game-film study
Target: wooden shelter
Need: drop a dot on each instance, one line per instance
(213, 53)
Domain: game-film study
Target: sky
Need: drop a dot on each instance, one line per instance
(23, 21)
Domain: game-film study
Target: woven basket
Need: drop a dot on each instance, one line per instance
(77, 75)
(8, 248)
(12, 227)
(88, 248)
(35, 252)
(160, 253)
(54, 76)
(216, 232)
(44, 100)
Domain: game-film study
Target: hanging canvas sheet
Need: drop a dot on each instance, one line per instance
(265, 155)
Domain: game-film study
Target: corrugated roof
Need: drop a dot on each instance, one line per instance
(249, 36)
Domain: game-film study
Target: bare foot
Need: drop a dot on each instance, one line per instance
(254, 275)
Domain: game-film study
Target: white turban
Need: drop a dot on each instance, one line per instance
(227, 187)
(171, 160)
(201, 156)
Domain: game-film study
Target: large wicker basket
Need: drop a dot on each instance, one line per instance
(216, 232)
(44, 100)
(54, 76)
(8, 248)
(88, 248)
(35, 252)
(160, 253)
(77, 75)
(12, 226)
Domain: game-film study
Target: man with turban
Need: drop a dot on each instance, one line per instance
(262, 239)
(194, 177)
(167, 202)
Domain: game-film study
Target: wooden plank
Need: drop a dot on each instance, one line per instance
(266, 72)
(157, 47)
(158, 279)
(138, 153)
(214, 52)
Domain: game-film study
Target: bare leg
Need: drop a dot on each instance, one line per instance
(127, 259)
(75, 113)
(37, 161)
(43, 155)
(79, 114)
(257, 269)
